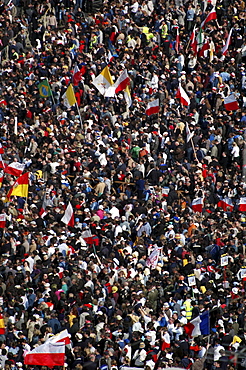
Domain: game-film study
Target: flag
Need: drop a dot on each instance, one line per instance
(44, 88)
(211, 16)
(110, 56)
(189, 135)
(152, 260)
(1, 149)
(242, 204)
(63, 337)
(203, 52)
(43, 212)
(103, 81)
(228, 42)
(199, 40)
(68, 217)
(177, 41)
(68, 97)
(2, 325)
(1, 178)
(20, 187)
(197, 205)
(112, 49)
(198, 326)
(127, 95)
(2, 163)
(153, 107)
(193, 40)
(121, 84)
(165, 191)
(77, 75)
(48, 354)
(2, 220)
(182, 96)
(225, 203)
(15, 168)
(230, 103)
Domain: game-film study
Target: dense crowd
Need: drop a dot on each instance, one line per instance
(131, 179)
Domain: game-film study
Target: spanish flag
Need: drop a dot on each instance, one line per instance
(2, 326)
(20, 187)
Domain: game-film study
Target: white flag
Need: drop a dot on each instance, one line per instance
(152, 260)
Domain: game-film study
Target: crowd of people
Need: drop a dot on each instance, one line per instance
(140, 265)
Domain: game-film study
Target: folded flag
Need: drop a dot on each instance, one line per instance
(127, 96)
(68, 217)
(230, 103)
(20, 187)
(189, 135)
(153, 107)
(1, 178)
(48, 354)
(15, 168)
(77, 75)
(198, 326)
(197, 205)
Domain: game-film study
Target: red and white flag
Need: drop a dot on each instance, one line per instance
(211, 16)
(192, 328)
(77, 75)
(68, 217)
(225, 203)
(1, 149)
(110, 56)
(197, 205)
(1, 178)
(165, 192)
(121, 84)
(153, 107)
(189, 135)
(2, 220)
(182, 96)
(193, 41)
(203, 52)
(48, 354)
(177, 41)
(63, 336)
(230, 103)
(152, 260)
(2, 163)
(242, 204)
(227, 44)
(15, 168)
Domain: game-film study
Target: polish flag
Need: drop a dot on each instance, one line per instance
(1, 178)
(1, 149)
(68, 217)
(177, 41)
(166, 342)
(225, 204)
(122, 82)
(228, 42)
(211, 16)
(193, 41)
(165, 192)
(76, 75)
(230, 103)
(204, 49)
(242, 204)
(2, 163)
(63, 337)
(153, 107)
(48, 354)
(197, 205)
(2, 220)
(198, 326)
(15, 168)
(182, 96)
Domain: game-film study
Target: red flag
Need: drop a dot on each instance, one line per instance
(1, 149)
(211, 16)
(68, 217)
(230, 103)
(152, 107)
(182, 96)
(197, 205)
